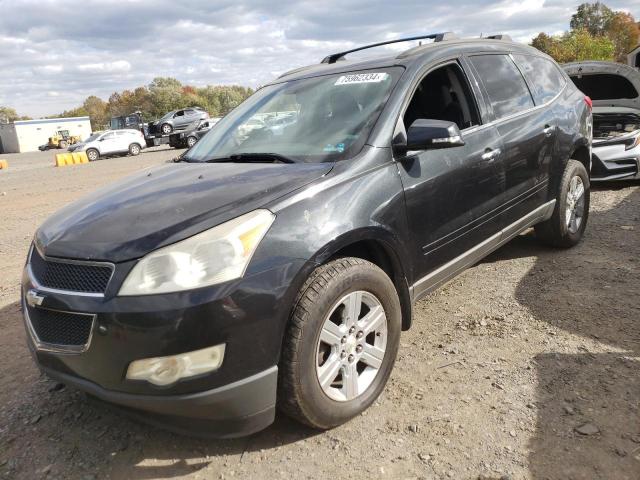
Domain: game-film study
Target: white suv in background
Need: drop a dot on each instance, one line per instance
(111, 142)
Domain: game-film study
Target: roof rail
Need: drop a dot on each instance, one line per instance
(436, 37)
(506, 38)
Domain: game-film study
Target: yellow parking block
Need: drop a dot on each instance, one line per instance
(4, 164)
(63, 159)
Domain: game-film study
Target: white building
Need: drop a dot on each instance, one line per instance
(28, 135)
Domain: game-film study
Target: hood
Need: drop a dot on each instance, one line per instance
(164, 205)
(608, 84)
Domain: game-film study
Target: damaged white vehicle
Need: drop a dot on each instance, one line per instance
(613, 88)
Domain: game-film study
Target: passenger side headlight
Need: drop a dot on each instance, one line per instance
(214, 256)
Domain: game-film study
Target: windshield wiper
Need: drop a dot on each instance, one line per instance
(252, 157)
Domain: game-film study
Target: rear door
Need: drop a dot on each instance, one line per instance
(452, 195)
(526, 133)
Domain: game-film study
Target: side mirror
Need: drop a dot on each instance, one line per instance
(426, 134)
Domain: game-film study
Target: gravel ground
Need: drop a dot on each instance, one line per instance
(524, 367)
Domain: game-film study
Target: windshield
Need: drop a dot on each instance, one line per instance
(93, 137)
(310, 120)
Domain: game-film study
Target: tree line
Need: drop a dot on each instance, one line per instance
(162, 95)
(596, 33)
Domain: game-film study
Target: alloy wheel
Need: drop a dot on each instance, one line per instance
(575, 204)
(351, 347)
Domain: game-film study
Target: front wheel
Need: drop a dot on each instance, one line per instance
(93, 155)
(191, 141)
(566, 226)
(166, 129)
(341, 343)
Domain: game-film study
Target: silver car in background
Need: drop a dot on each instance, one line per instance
(177, 120)
(614, 89)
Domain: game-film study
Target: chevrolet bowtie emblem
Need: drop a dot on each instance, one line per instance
(33, 299)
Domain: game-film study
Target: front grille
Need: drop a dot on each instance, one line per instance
(60, 328)
(72, 276)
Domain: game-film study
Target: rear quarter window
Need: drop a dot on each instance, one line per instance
(543, 75)
(507, 91)
(605, 86)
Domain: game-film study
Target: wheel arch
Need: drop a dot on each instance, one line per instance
(379, 247)
(582, 153)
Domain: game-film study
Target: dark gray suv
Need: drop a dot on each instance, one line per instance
(278, 269)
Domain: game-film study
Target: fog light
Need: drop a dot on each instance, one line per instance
(167, 370)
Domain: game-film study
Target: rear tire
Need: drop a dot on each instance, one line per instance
(134, 149)
(191, 141)
(324, 347)
(566, 226)
(63, 144)
(93, 154)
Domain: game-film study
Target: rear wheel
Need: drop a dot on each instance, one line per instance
(566, 226)
(134, 149)
(191, 141)
(341, 343)
(93, 154)
(63, 144)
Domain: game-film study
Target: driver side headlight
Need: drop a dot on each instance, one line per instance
(217, 255)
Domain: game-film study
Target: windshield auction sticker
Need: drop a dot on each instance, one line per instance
(362, 78)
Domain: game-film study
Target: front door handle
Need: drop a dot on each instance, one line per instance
(548, 130)
(491, 154)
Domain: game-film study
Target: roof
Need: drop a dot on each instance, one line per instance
(417, 55)
(50, 120)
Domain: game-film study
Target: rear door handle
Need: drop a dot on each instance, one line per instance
(548, 130)
(491, 154)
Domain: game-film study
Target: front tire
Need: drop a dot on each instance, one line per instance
(93, 154)
(566, 226)
(341, 343)
(166, 129)
(63, 144)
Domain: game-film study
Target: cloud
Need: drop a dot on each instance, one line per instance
(95, 47)
(118, 66)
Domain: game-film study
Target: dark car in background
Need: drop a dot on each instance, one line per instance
(177, 120)
(614, 89)
(268, 270)
(191, 134)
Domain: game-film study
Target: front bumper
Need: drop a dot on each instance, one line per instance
(611, 161)
(248, 316)
(241, 408)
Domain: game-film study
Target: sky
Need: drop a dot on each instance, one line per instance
(54, 54)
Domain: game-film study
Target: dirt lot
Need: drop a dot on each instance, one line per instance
(524, 367)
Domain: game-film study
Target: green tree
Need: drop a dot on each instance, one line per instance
(577, 45)
(593, 17)
(8, 114)
(165, 95)
(624, 32)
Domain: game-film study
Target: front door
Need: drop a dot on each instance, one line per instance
(452, 195)
(108, 143)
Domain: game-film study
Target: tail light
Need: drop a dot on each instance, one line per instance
(588, 101)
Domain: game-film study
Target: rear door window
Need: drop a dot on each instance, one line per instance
(507, 91)
(543, 75)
